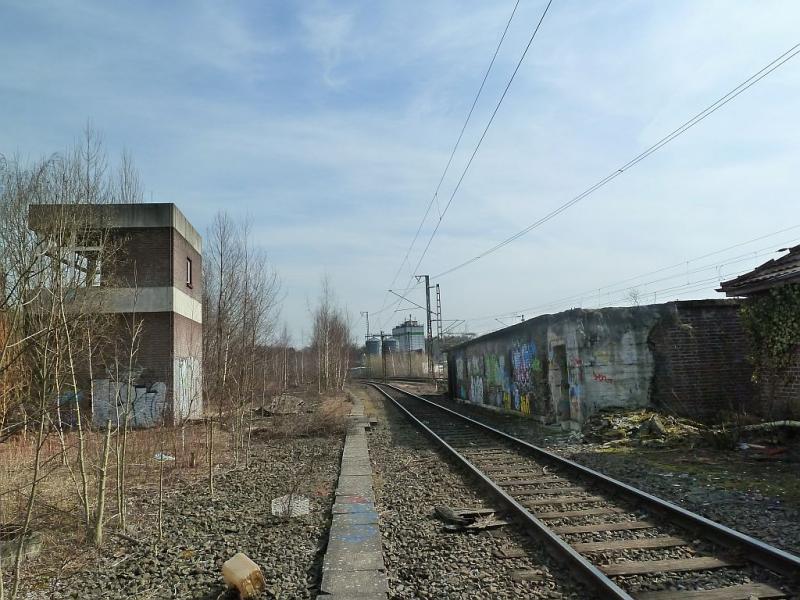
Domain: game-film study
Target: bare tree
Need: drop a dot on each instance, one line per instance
(331, 340)
(51, 325)
(241, 306)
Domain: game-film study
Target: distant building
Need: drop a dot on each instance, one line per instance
(410, 336)
(151, 279)
(373, 346)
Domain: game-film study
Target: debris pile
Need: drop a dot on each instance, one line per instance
(648, 428)
(283, 404)
(641, 427)
(468, 519)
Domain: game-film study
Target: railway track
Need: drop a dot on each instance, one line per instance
(621, 541)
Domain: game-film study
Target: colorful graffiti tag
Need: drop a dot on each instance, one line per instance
(460, 378)
(512, 379)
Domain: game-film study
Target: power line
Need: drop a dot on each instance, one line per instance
(596, 290)
(455, 148)
(480, 141)
(732, 261)
(483, 135)
(621, 291)
(685, 288)
(742, 87)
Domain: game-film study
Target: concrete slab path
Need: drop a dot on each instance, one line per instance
(353, 567)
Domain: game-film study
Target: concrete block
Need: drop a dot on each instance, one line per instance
(355, 485)
(359, 585)
(356, 466)
(352, 505)
(369, 517)
(354, 547)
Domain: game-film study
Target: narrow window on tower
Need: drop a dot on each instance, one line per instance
(188, 272)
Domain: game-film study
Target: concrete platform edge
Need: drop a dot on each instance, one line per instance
(353, 567)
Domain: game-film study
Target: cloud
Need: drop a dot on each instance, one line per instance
(329, 124)
(328, 34)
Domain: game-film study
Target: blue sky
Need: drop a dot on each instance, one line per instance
(327, 125)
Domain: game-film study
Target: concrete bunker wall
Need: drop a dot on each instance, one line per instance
(567, 366)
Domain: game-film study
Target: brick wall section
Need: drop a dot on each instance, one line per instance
(701, 366)
(154, 354)
(188, 336)
(141, 258)
(782, 400)
(181, 251)
(153, 359)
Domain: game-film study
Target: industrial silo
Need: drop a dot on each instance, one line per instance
(373, 347)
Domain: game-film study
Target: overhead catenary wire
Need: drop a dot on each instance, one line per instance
(480, 141)
(621, 295)
(735, 92)
(595, 291)
(483, 134)
(686, 288)
(435, 196)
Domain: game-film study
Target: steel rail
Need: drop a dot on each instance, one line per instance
(753, 549)
(585, 569)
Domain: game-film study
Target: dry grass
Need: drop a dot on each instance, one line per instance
(58, 514)
(328, 417)
(57, 483)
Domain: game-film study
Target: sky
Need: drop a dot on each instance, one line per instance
(327, 126)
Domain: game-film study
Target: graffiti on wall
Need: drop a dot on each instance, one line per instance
(526, 365)
(112, 400)
(529, 395)
(460, 377)
(511, 379)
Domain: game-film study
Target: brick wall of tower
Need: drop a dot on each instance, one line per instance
(140, 258)
(181, 250)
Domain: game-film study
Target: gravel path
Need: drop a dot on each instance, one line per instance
(422, 560)
(201, 533)
(703, 487)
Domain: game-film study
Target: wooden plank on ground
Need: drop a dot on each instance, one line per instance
(631, 544)
(509, 462)
(509, 553)
(736, 592)
(520, 481)
(546, 491)
(511, 470)
(639, 567)
(586, 512)
(474, 512)
(564, 500)
(595, 527)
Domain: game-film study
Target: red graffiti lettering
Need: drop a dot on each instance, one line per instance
(602, 378)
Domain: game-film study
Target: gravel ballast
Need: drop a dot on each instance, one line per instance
(201, 533)
(422, 559)
(707, 482)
